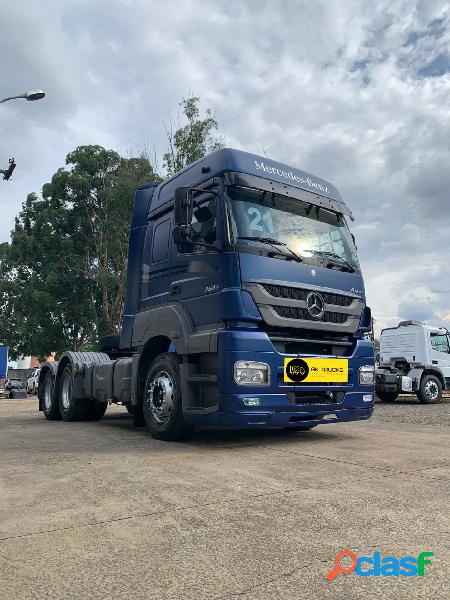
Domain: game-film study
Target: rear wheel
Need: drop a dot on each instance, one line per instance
(387, 396)
(50, 404)
(162, 405)
(71, 409)
(430, 391)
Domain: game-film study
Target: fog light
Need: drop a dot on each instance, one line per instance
(367, 375)
(252, 401)
(367, 398)
(250, 372)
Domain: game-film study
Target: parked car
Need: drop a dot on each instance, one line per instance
(13, 383)
(32, 382)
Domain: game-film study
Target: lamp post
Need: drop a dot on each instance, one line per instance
(30, 96)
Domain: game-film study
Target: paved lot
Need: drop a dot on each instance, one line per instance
(101, 510)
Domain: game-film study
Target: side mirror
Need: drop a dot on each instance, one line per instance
(183, 206)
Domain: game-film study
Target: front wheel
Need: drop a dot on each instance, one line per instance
(430, 391)
(162, 404)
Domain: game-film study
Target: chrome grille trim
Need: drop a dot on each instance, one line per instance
(288, 308)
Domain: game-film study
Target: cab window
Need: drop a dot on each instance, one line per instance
(203, 224)
(439, 342)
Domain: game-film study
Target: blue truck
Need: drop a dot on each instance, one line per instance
(245, 308)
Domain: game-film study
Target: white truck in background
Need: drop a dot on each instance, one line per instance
(414, 358)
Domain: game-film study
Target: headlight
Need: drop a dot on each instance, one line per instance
(367, 375)
(249, 372)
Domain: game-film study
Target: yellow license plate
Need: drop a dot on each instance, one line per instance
(316, 370)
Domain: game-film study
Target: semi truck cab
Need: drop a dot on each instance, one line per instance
(245, 307)
(414, 359)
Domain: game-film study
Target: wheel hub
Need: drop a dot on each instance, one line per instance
(431, 390)
(48, 393)
(66, 392)
(160, 396)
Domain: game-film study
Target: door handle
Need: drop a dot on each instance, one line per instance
(176, 290)
(435, 362)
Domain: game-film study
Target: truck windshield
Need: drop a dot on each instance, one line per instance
(310, 232)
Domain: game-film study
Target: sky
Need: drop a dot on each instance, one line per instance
(357, 93)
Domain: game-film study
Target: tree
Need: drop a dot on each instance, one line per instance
(191, 141)
(63, 274)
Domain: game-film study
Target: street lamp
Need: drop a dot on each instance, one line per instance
(30, 96)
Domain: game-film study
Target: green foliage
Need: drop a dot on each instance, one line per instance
(191, 141)
(63, 275)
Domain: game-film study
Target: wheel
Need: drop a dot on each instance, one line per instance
(387, 396)
(430, 391)
(71, 409)
(96, 410)
(162, 406)
(50, 404)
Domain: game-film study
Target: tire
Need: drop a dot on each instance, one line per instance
(387, 396)
(71, 409)
(430, 391)
(50, 404)
(130, 409)
(162, 404)
(96, 410)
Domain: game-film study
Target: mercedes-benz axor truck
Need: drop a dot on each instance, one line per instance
(244, 308)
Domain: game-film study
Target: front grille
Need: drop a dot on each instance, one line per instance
(294, 312)
(291, 293)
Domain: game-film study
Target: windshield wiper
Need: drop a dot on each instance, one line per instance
(272, 242)
(342, 260)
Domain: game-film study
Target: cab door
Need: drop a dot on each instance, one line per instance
(196, 271)
(440, 353)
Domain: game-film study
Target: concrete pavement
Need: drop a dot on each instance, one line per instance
(102, 510)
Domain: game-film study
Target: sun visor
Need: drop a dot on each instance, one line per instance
(266, 184)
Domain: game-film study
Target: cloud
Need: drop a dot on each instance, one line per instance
(355, 92)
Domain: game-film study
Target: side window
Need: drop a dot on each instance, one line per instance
(439, 343)
(161, 241)
(203, 223)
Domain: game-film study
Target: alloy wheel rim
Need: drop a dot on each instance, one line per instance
(66, 392)
(431, 390)
(159, 396)
(48, 393)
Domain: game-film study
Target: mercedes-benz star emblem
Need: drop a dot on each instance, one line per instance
(315, 305)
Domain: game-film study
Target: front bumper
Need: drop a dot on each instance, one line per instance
(283, 404)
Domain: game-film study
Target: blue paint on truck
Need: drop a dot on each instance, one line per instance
(235, 264)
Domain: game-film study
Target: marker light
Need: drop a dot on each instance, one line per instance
(367, 375)
(249, 372)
